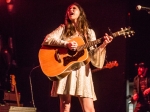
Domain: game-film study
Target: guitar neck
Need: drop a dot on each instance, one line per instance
(97, 41)
(89, 44)
(96, 70)
(17, 97)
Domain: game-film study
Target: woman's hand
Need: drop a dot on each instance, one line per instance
(72, 45)
(107, 39)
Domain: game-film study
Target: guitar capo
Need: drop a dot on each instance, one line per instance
(110, 32)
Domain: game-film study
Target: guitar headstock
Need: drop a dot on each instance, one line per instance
(13, 82)
(111, 64)
(126, 32)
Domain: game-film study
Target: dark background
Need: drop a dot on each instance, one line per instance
(31, 20)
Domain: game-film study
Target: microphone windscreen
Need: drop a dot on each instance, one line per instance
(138, 7)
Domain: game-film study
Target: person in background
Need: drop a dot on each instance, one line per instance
(79, 82)
(141, 89)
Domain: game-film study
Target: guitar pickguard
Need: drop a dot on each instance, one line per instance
(69, 59)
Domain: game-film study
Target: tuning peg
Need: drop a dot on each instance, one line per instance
(121, 29)
(129, 35)
(133, 32)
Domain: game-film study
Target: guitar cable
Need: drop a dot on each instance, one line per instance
(33, 103)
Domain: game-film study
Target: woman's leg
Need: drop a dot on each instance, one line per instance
(65, 103)
(87, 104)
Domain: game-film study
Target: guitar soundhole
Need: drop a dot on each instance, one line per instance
(71, 58)
(70, 52)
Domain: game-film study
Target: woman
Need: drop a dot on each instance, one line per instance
(79, 83)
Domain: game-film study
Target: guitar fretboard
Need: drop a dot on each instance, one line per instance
(97, 41)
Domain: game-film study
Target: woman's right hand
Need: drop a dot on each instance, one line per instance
(72, 45)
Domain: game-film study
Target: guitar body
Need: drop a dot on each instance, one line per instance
(57, 62)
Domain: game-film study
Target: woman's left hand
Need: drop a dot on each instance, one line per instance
(107, 39)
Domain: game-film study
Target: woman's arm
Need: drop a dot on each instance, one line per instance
(55, 37)
(98, 53)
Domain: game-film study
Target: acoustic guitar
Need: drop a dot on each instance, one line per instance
(58, 62)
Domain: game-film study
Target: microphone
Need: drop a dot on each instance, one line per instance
(139, 7)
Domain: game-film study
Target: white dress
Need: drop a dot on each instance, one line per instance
(79, 82)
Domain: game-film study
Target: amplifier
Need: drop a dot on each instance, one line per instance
(11, 96)
(4, 108)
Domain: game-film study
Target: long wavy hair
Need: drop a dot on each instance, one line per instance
(82, 23)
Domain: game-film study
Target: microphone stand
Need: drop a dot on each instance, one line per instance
(148, 11)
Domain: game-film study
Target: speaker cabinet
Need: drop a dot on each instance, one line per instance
(10, 96)
(4, 108)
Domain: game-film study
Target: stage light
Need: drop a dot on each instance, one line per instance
(9, 1)
(10, 5)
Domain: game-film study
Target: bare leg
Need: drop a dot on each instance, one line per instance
(65, 103)
(87, 104)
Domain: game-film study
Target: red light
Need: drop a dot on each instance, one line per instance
(8, 1)
(128, 13)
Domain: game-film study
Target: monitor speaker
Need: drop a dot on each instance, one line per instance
(22, 109)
